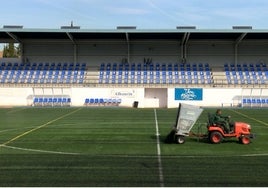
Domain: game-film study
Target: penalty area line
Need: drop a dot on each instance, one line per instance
(39, 127)
(160, 168)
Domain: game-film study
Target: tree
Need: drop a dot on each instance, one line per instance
(10, 50)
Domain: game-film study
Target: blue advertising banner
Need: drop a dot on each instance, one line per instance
(189, 94)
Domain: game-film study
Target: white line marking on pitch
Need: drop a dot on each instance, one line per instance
(39, 127)
(259, 121)
(160, 168)
(136, 156)
(41, 151)
(15, 129)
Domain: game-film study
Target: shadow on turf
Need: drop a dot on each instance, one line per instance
(170, 139)
(167, 140)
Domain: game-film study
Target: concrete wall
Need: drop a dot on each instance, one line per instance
(15, 96)
(145, 97)
(168, 51)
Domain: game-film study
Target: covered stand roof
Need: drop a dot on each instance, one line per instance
(20, 34)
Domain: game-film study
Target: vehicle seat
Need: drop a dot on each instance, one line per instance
(211, 120)
(212, 123)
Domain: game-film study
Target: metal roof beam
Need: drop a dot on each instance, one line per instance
(14, 37)
(70, 37)
(183, 38)
(184, 42)
(128, 48)
(127, 37)
(187, 38)
(240, 38)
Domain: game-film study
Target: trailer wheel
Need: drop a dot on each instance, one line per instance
(244, 140)
(215, 137)
(180, 139)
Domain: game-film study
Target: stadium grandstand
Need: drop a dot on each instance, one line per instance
(130, 67)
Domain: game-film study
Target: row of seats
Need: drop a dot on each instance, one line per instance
(42, 73)
(102, 101)
(135, 73)
(255, 101)
(51, 101)
(42, 66)
(246, 73)
(246, 79)
(245, 66)
(154, 73)
(66, 101)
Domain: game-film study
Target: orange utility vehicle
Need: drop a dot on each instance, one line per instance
(240, 130)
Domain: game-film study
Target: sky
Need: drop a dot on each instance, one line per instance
(144, 14)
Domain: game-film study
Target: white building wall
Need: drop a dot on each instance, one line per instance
(15, 96)
(128, 95)
(211, 96)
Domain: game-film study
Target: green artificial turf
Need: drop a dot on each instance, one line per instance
(114, 147)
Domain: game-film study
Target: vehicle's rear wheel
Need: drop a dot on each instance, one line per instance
(180, 139)
(244, 140)
(215, 137)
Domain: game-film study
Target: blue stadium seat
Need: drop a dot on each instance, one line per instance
(114, 73)
(145, 76)
(40, 100)
(126, 76)
(253, 101)
(258, 101)
(59, 100)
(114, 101)
(164, 77)
(183, 80)
(109, 101)
(120, 76)
(105, 101)
(45, 101)
(35, 100)
(101, 101)
(132, 76)
(86, 101)
(64, 100)
(91, 101)
(118, 101)
(50, 100)
(195, 79)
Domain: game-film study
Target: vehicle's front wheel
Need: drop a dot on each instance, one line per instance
(244, 140)
(216, 137)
